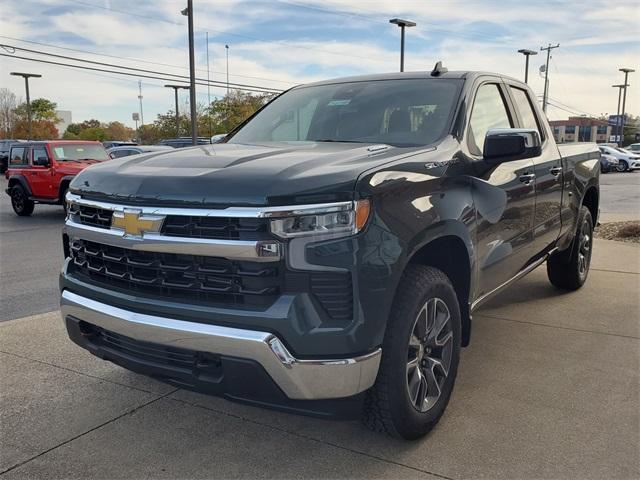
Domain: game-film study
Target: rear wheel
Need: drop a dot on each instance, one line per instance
(622, 166)
(420, 356)
(20, 201)
(569, 269)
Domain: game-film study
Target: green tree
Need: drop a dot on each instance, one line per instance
(93, 133)
(41, 109)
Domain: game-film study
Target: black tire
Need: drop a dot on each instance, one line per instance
(388, 404)
(63, 196)
(569, 269)
(622, 166)
(20, 201)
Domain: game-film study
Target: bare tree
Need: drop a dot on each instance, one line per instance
(8, 104)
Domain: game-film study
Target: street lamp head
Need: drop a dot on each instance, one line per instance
(402, 23)
(627, 70)
(620, 85)
(185, 12)
(26, 75)
(526, 51)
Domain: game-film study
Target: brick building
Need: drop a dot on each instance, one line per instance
(581, 129)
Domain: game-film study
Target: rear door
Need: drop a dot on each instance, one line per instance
(504, 195)
(547, 168)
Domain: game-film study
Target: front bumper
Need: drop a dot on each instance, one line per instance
(306, 379)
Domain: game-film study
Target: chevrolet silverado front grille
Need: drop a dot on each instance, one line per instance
(185, 226)
(91, 216)
(218, 228)
(180, 277)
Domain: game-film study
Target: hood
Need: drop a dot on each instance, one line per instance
(236, 174)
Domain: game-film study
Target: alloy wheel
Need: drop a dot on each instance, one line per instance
(17, 198)
(429, 354)
(584, 249)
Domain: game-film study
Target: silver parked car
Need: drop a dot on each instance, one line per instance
(126, 150)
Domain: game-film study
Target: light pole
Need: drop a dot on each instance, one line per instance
(402, 24)
(527, 53)
(175, 90)
(188, 12)
(626, 72)
(26, 77)
(616, 132)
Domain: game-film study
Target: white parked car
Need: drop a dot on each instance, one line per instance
(627, 160)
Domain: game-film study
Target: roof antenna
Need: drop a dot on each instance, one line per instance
(438, 70)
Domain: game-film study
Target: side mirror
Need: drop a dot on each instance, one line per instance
(507, 144)
(112, 155)
(41, 162)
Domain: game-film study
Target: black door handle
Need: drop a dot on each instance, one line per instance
(527, 177)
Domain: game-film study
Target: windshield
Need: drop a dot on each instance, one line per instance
(79, 151)
(402, 113)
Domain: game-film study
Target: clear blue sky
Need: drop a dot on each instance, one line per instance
(282, 43)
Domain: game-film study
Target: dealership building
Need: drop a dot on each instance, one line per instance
(581, 129)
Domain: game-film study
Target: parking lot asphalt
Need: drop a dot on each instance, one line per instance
(549, 388)
(31, 249)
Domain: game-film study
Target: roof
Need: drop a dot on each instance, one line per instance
(579, 121)
(461, 74)
(59, 142)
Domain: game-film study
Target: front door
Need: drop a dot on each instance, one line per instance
(548, 174)
(40, 175)
(504, 196)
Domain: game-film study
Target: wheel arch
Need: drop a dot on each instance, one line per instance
(64, 184)
(450, 250)
(19, 180)
(591, 199)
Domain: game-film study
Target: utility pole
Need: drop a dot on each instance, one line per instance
(527, 53)
(188, 12)
(140, 98)
(626, 72)
(546, 75)
(402, 24)
(227, 49)
(208, 88)
(175, 90)
(26, 77)
(616, 131)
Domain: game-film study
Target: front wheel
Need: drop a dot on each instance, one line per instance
(622, 166)
(420, 355)
(20, 202)
(569, 269)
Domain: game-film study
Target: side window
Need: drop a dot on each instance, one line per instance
(40, 152)
(489, 111)
(525, 109)
(18, 157)
(120, 153)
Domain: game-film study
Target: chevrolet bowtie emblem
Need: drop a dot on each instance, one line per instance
(133, 223)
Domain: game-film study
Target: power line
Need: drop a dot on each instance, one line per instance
(82, 67)
(118, 57)
(104, 64)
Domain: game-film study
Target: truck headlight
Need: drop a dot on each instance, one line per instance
(346, 218)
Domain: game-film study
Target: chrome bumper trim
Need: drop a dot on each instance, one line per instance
(298, 379)
(258, 251)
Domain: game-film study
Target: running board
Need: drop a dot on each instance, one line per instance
(528, 269)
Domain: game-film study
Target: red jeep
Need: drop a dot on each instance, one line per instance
(40, 172)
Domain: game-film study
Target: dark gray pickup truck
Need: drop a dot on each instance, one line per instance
(327, 258)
